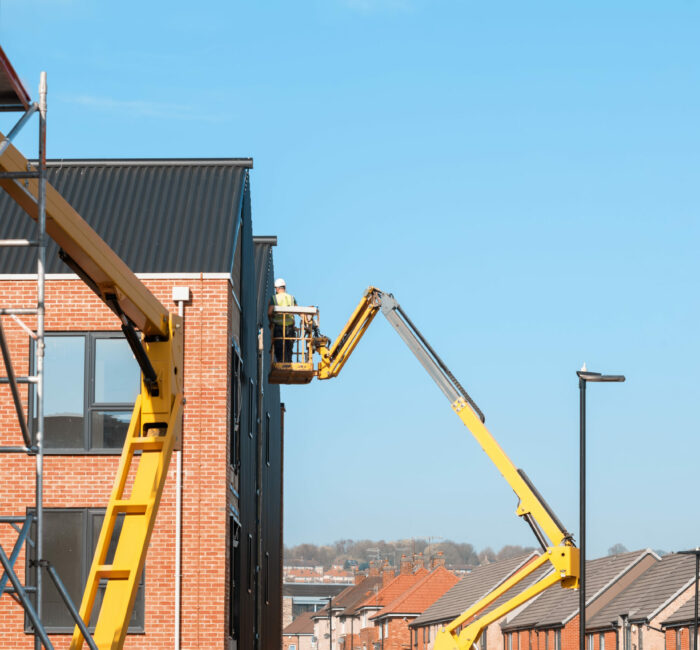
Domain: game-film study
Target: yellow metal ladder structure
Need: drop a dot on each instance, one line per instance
(153, 433)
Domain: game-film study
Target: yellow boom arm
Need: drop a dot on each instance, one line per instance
(557, 545)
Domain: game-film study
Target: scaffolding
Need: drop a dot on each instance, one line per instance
(29, 527)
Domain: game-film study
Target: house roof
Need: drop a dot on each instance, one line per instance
(684, 615)
(302, 624)
(555, 607)
(474, 586)
(389, 592)
(352, 595)
(424, 592)
(159, 216)
(264, 271)
(311, 589)
(650, 592)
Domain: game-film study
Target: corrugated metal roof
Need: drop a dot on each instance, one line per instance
(650, 592)
(474, 586)
(263, 276)
(555, 606)
(159, 216)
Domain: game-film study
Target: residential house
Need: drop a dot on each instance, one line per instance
(182, 224)
(679, 627)
(470, 589)
(299, 633)
(551, 621)
(327, 623)
(298, 598)
(634, 617)
(395, 617)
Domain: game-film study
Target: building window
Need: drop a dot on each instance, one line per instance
(601, 641)
(546, 640)
(250, 563)
(510, 641)
(482, 645)
(267, 579)
(557, 639)
(91, 381)
(251, 407)
(235, 457)
(292, 646)
(267, 439)
(590, 642)
(70, 539)
(234, 573)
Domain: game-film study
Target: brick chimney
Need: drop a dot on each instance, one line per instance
(388, 574)
(418, 561)
(406, 567)
(359, 576)
(374, 571)
(437, 560)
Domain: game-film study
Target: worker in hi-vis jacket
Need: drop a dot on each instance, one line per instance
(283, 330)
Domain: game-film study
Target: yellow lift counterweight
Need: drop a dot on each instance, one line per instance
(558, 549)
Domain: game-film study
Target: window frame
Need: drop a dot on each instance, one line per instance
(236, 410)
(89, 522)
(90, 405)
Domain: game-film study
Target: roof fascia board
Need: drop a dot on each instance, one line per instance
(246, 163)
(14, 277)
(613, 580)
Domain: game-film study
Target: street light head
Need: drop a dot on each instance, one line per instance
(587, 375)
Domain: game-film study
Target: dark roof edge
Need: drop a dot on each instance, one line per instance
(270, 240)
(246, 163)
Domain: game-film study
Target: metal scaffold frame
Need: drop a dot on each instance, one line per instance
(13, 97)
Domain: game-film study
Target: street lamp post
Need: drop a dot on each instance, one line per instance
(696, 553)
(584, 376)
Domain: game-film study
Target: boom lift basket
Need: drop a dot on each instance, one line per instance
(291, 357)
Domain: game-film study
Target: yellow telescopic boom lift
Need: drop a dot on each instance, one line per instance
(558, 550)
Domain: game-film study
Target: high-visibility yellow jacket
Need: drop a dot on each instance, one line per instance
(283, 300)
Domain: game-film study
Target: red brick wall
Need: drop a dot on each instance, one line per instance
(85, 481)
(672, 634)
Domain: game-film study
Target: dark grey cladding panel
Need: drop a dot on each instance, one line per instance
(159, 216)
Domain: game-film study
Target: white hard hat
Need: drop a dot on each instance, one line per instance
(279, 282)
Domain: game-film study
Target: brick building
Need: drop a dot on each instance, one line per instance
(299, 633)
(395, 618)
(634, 617)
(551, 621)
(469, 590)
(176, 223)
(679, 627)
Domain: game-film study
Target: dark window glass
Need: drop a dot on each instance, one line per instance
(267, 439)
(64, 390)
(267, 578)
(234, 573)
(70, 538)
(251, 407)
(250, 562)
(236, 411)
(91, 384)
(114, 372)
(108, 428)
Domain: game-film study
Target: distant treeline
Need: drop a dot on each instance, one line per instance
(358, 553)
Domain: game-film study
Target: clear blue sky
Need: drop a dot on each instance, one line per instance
(522, 176)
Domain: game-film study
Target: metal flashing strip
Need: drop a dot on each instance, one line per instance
(13, 94)
(142, 276)
(246, 163)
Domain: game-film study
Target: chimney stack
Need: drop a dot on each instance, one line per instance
(406, 566)
(373, 569)
(437, 560)
(418, 561)
(388, 574)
